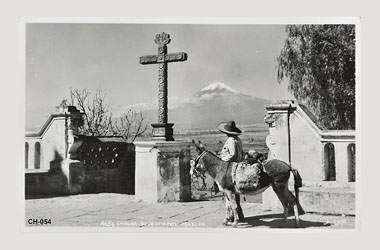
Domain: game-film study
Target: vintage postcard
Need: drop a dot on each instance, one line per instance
(187, 125)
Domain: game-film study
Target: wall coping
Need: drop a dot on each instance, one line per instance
(64, 112)
(282, 105)
(324, 135)
(45, 127)
(148, 146)
(338, 135)
(104, 139)
(161, 143)
(37, 171)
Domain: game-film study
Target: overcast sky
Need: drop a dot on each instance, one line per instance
(106, 56)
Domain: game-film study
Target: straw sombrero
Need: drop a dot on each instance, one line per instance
(229, 128)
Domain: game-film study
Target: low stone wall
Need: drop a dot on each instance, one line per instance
(39, 183)
(103, 164)
(108, 165)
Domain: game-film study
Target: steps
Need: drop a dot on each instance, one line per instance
(320, 197)
(328, 198)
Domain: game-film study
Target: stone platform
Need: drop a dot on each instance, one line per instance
(121, 210)
(328, 198)
(320, 197)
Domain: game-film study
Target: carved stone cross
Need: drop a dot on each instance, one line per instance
(163, 130)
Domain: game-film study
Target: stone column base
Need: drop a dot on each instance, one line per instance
(162, 171)
(162, 131)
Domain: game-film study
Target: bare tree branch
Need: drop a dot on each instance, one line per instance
(99, 120)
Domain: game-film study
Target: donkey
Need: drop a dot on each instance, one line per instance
(275, 173)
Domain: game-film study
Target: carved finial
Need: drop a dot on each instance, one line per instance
(61, 107)
(162, 39)
(269, 119)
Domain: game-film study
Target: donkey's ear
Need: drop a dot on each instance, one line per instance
(201, 145)
(198, 148)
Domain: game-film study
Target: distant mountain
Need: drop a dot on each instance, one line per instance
(215, 89)
(211, 105)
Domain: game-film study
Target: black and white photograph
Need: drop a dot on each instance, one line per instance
(188, 126)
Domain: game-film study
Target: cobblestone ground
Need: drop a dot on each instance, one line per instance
(119, 210)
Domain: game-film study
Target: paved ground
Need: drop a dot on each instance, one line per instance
(106, 210)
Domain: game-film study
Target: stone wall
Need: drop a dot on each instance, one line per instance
(108, 165)
(103, 165)
(54, 140)
(59, 161)
(47, 145)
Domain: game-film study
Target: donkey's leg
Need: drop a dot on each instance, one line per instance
(299, 207)
(239, 209)
(293, 202)
(281, 196)
(231, 217)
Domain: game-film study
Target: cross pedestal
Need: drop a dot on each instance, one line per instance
(162, 131)
(162, 171)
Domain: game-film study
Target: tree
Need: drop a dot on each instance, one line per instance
(99, 120)
(319, 62)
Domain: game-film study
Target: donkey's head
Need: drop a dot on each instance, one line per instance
(196, 166)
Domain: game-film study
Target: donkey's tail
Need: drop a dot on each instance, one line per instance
(297, 185)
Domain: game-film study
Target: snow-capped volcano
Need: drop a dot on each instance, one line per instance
(218, 86)
(215, 89)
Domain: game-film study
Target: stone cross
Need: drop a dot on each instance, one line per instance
(163, 130)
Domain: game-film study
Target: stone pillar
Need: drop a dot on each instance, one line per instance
(278, 141)
(31, 154)
(162, 171)
(341, 161)
(70, 166)
(74, 121)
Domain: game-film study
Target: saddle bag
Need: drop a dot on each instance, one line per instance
(247, 177)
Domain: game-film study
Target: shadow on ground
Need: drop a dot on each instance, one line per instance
(278, 222)
(196, 200)
(43, 196)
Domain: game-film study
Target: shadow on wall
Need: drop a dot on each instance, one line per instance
(46, 183)
(57, 159)
(103, 164)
